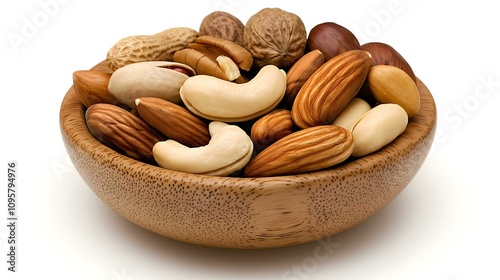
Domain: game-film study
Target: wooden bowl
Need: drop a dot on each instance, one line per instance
(247, 212)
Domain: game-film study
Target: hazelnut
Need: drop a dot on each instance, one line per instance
(386, 55)
(276, 37)
(332, 39)
(223, 25)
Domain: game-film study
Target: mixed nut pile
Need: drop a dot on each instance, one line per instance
(264, 98)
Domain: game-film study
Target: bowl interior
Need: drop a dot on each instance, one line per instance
(247, 212)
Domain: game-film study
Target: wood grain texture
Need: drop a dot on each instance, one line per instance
(247, 212)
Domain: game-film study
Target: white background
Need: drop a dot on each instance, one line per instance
(443, 226)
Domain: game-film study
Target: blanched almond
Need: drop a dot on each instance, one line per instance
(390, 84)
(377, 128)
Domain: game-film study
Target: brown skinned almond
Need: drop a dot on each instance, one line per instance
(92, 87)
(306, 150)
(330, 88)
(173, 121)
(271, 128)
(123, 132)
(299, 73)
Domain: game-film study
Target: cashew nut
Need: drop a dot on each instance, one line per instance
(229, 150)
(220, 100)
(228, 66)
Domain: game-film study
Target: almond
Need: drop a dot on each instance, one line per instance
(330, 88)
(173, 121)
(271, 127)
(120, 130)
(390, 84)
(92, 87)
(300, 72)
(306, 150)
(377, 128)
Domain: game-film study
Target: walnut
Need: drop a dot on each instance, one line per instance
(275, 36)
(223, 25)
